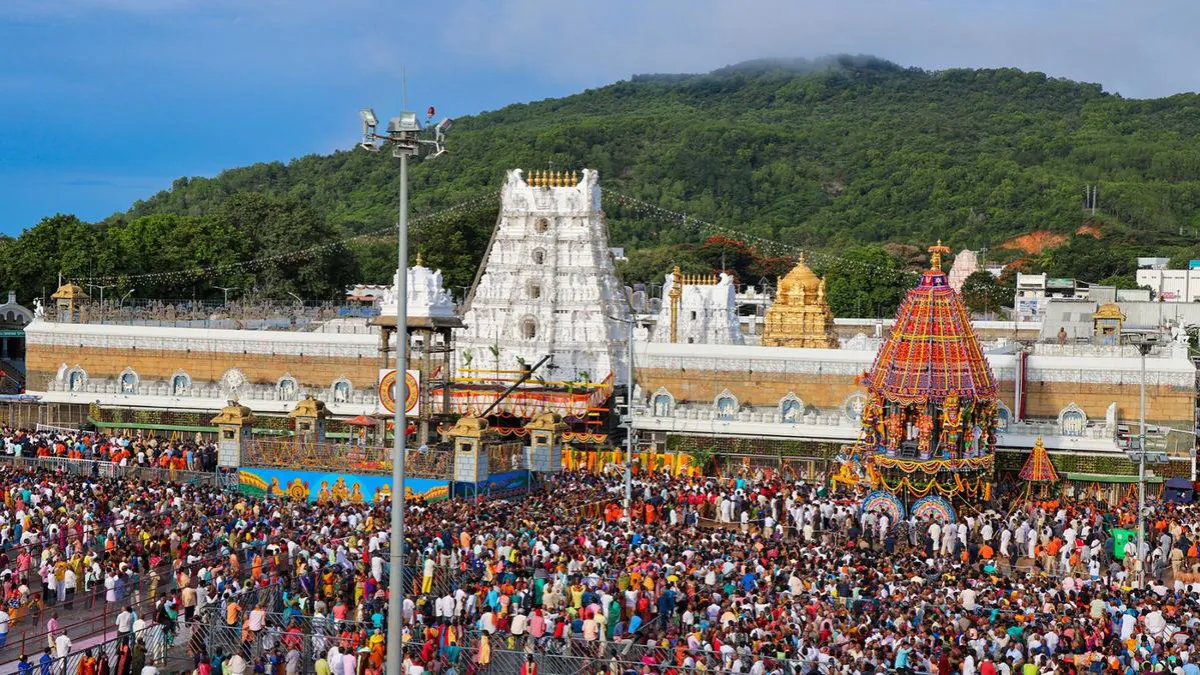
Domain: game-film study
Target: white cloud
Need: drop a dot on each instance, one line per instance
(1139, 49)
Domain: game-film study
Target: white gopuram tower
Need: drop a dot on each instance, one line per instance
(547, 285)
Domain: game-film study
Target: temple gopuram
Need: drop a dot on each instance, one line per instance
(929, 425)
(800, 316)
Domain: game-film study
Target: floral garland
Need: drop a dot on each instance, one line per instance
(937, 465)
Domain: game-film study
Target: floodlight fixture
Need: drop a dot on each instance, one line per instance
(405, 122)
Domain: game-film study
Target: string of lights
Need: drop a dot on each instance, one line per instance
(643, 208)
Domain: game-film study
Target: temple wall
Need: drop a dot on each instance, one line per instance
(317, 372)
(760, 376)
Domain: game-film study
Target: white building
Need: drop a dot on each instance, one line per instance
(548, 284)
(706, 312)
(1171, 285)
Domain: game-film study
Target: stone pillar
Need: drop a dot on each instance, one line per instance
(235, 436)
(471, 438)
(310, 414)
(545, 442)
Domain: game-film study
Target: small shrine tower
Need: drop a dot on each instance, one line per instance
(800, 315)
(69, 300)
(235, 421)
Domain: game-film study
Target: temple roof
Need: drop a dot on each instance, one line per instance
(932, 349)
(69, 291)
(800, 276)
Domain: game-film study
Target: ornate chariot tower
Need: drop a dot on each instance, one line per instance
(547, 284)
(929, 427)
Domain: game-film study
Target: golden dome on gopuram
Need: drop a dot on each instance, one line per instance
(800, 277)
(800, 316)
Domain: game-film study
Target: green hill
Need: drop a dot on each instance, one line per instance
(825, 155)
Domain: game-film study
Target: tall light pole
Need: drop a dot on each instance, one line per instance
(402, 134)
(1140, 454)
(225, 290)
(102, 287)
(629, 326)
(123, 297)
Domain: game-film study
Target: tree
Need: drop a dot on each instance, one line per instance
(984, 294)
(865, 282)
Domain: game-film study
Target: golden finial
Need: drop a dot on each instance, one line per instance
(935, 257)
(559, 179)
(418, 257)
(803, 257)
(574, 178)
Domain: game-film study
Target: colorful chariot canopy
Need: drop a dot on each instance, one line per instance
(932, 350)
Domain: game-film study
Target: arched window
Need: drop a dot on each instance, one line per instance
(129, 382)
(727, 405)
(342, 390)
(180, 383)
(541, 225)
(791, 409)
(1072, 421)
(1003, 417)
(288, 388)
(534, 289)
(539, 256)
(76, 379)
(529, 328)
(662, 405)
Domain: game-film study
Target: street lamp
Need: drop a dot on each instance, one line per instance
(628, 420)
(102, 287)
(128, 293)
(225, 290)
(1138, 452)
(402, 132)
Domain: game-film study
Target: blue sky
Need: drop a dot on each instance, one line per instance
(103, 102)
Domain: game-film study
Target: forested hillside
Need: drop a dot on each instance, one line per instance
(829, 156)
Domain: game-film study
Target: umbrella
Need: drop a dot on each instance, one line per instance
(362, 421)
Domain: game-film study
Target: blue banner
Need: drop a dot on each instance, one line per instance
(497, 485)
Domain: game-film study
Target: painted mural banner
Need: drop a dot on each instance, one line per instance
(497, 486)
(321, 487)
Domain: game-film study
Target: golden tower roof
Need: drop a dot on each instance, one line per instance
(309, 407)
(800, 276)
(800, 316)
(69, 291)
(235, 414)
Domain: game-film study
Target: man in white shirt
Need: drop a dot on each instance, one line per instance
(125, 622)
(62, 646)
(4, 624)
